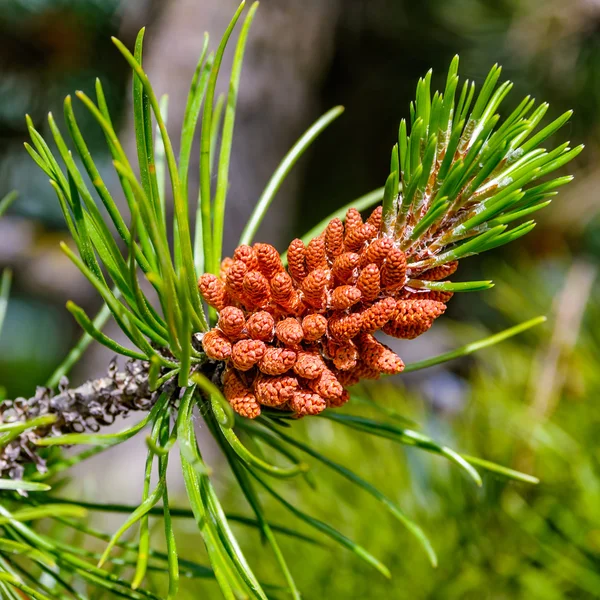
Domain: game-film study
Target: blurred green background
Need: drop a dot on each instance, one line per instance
(530, 403)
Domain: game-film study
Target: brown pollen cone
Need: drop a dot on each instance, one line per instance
(247, 255)
(232, 321)
(334, 238)
(369, 282)
(289, 332)
(307, 403)
(269, 263)
(346, 357)
(261, 326)
(413, 317)
(440, 272)
(297, 260)
(295, 338)
(315, 254)
(214, 291)
(345, 296)
(241, 398)
(246, 353)
(309, 365)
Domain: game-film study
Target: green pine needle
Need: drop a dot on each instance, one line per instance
(464, 174)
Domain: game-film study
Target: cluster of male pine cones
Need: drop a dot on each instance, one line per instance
(295, 339)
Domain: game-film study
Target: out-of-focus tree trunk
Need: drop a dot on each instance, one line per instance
(288, 52)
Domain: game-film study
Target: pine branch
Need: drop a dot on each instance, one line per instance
(94, 404)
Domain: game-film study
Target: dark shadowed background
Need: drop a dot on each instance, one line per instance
(531, 404)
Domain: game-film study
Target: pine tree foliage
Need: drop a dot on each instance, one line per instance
(462, 181)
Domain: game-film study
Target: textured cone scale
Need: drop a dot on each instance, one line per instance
(246, 405)
(282, 288)
(439, 296)
(409, 310)
(348, 378)
(406, 332)
(343, 327)
(413, 317)
(216, 345)
(353, 220)
(295, 304)
(327, 385)
(377, 252)
(365, 371)
(234, 280)
(225, 266)
(295, 338)
(356, 238)
(315, 286)
(339, 401)
(375, 218)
